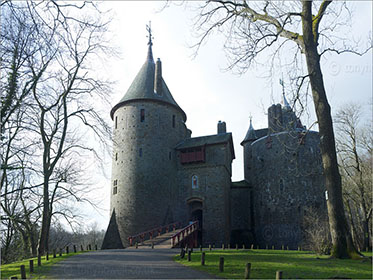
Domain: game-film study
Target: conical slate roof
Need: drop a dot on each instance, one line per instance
(285, 103)
(142, 87)
(250, 135)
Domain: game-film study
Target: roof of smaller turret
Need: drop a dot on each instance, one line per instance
(285, 103)
(250, 135)
(259, 134)
(142, 87)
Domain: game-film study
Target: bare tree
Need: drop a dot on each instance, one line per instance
(304, 29)
(355, 162)
(60, 115)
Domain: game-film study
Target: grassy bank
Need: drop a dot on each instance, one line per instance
(13, 269)
(265, 263)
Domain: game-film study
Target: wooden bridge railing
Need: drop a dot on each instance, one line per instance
(184, 233)
(141, 237)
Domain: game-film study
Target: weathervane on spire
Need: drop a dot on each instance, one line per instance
(150, 36)
(284, 101)
(251, 122)
(283, 87)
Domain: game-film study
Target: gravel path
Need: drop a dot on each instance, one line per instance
(125, 264)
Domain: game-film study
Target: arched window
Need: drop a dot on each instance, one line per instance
(194, 182)
(281, 185)
(142, 115)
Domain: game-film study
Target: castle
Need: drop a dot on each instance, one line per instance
(160, 174)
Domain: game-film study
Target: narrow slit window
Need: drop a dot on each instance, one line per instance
(173, 121)
(142, 115)
(116, 156)
(115, 190)
(116, 122)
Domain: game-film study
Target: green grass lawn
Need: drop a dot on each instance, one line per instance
(265, 263)
(13, 269)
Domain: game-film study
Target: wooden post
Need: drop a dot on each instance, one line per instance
(136, 245)
(47, 256)
(299, 248)
(60, 252)
(278, 274)
(81, 248)
(247, 270)
(273, 247)
(236, 246)
(209, 247)
(221, 264)
(74, 248)
(152, 245)
(252, 246)
(266, 247)
(96, 247)
(203, 258)
(90, 247)
(243, 247)
(229, 245)
(39, 260)
(67, 249)
(282, 248)
(31, 266)
(23, 272)
(189, 255)
(223, 246)
(182, 253)
(213, 246)
(287, 248)
(54, 253)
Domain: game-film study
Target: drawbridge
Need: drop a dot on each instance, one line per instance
(168, 236)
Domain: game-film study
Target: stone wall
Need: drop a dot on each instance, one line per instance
(144, 165)
(214, 179)
(287, 180)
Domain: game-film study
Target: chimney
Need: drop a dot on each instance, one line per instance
(158, 77)
(222, 128)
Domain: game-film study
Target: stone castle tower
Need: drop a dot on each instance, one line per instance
(160, 174)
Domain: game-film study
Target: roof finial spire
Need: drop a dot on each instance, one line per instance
(251, 122)
(150, 42)
(150, 36)
(284, 101)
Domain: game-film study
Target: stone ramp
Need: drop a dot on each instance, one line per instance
(162, 241)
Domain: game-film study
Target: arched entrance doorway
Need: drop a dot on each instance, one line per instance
(196, 214)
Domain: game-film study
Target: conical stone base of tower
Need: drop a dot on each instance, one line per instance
(112, 238)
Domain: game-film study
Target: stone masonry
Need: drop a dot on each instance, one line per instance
(160, 174)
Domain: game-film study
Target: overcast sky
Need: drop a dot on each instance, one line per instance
(200, 87)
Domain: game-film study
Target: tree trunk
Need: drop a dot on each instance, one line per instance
(43, 239)
(365, 223)
(341, 238)
(352, 223)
